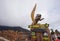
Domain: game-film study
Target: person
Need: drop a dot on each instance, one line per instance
(58, 38)
(52, 35)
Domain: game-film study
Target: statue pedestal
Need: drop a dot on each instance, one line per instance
(38, 30)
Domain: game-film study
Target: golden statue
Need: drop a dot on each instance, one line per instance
(38, 29)
(37, 18)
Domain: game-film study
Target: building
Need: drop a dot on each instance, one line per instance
(14, 33)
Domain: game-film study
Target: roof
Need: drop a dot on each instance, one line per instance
(17, 28)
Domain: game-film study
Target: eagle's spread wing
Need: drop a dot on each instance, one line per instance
(33, 12)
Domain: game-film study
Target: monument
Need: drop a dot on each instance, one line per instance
(39, 32)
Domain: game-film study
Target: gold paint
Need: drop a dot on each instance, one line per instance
(33, 12)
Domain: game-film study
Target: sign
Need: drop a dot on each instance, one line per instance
(39, 26)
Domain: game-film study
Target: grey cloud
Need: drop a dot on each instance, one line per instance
(17, 12)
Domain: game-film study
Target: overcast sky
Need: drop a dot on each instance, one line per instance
(17, 12)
